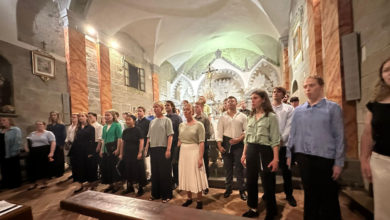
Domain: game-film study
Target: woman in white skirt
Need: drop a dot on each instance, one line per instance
(192, 173)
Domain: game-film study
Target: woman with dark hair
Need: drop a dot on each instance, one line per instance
(262, 140)
(58, 128)
(375, 152)
(109, 152)
(81, 153)
(42, 144)
(10, 145)
(131, 154)
(176, 121)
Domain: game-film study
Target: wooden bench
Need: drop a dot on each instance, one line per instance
(107, 206)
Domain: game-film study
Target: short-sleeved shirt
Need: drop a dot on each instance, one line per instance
(380, 124)
(264, 131)
(206, 123)
(112, 134)
(43, 139)
(159, 130)
(192, 134)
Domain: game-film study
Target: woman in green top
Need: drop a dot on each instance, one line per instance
(112, 140)
(262, 140)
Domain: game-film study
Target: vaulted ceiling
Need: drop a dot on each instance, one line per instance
(175, 30)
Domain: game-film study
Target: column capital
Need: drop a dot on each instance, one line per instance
(284, 41)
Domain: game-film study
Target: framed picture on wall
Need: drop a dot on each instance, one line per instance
(43, 65)
(297, 40)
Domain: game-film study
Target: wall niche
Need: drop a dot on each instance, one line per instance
(7, 106)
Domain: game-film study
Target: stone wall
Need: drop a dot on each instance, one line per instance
(33, 98)
(125, 98)
(92, 77)
(371, 21)
(299, 62)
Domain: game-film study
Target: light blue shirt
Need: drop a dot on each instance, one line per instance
(318, 130)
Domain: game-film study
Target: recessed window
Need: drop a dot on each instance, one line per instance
(134, 76)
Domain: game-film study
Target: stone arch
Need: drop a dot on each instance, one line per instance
(181, 89)
(225, 82)
(6, 87)
(265, 76)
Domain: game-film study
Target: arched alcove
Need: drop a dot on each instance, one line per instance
(6, 87)
(294, 87)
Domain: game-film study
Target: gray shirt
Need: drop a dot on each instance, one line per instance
(159, 130)
(41, 140)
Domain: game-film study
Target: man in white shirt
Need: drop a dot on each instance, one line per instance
(230, 136)
(284, 113)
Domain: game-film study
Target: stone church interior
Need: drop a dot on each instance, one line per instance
(65, 61)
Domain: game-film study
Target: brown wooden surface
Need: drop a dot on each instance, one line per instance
(108, 206)
(22, 213)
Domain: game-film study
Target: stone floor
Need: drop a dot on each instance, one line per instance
(45, 203)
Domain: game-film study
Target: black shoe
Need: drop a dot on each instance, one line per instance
(291, 201)
(140, 192)
(108, 189)
(227, 193)
(206, 191)
(269, 216)
(251, 214)
(78, 190)
(199, 205)
(187, 203)
(243, 195)
(126, 191)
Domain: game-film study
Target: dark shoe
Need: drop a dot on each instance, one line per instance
(243, 195)
(269, 216)
(187, 203)
(78, 190)
(32, 187)
(140, 192)
(110, 188)
(227, 193)
(251, 214)
(291, 200)
(206, 191)
(199, 205)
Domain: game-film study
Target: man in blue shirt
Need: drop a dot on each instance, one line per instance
(317, 139)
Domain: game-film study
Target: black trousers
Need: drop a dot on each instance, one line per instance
(286, 172)
(175, 151)
(206, 158)
(11, 172)
(257, 159)
(161, 173)
(39, 163)
(58, 167)
(321, 191)
(232, 162)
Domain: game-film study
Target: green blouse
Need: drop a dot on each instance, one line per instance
(113, 134)
(264, 131)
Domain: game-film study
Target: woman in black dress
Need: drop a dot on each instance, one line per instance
(131, 154)
(84, 167)
(58, 128)
(375, 144)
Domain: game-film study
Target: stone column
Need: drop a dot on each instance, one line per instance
(156, 95)
(337, 20)
(77, 69)
(286, 68)
(75, 60)
(315, 37)
(104, 77)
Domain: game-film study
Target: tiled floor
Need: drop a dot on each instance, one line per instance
(45, 203)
